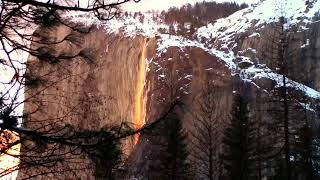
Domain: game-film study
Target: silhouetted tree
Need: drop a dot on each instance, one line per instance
(239, 142)
(285, 104)
(206, 135)
(172, 153)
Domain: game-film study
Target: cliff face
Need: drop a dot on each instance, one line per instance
(108, 71)
(134, 74)
(304, 45)
(249, 37)
(103, 88)
(88, 93)
(182, 74)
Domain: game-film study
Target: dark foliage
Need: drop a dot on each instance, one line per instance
(172, 156)
(239, 141)
(45, 17)
(8, 118)
(201, 13)
(106, 155)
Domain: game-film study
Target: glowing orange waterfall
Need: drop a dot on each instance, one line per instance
(139, 109)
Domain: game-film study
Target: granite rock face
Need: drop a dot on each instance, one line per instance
(303, 49)
(98, 87)
(87, 92)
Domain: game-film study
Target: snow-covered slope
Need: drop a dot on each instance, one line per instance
(219, 38)
(263, 13)
(222, 34)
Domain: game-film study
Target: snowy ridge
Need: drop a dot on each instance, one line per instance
(249, 74)
(253, 73)
(225, 30)
(263, 13)
(129, 26)
(218, 38)
(181, 42)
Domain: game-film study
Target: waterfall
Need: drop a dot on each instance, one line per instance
(139, 109)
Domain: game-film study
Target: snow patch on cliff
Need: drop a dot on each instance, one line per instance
(254, 73)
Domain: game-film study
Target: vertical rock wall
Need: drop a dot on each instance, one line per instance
(88, 92)
(101, 87)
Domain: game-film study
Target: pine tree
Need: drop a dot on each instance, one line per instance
(284, 105)
(239, 140)
(105, 157)
(173, 152)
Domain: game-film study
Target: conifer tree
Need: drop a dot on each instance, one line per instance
(239, 142)
(284, 106)
(173, 153)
